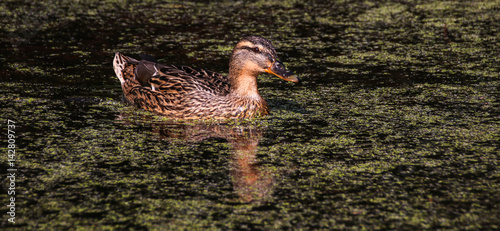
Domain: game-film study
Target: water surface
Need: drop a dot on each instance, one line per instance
(394, 127)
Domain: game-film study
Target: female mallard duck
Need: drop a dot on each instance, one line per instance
(181, 92)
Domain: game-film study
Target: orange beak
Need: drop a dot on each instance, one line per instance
(278, 69)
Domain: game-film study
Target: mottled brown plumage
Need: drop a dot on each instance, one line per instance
(181, 92)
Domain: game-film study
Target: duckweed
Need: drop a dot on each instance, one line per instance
(395, 125)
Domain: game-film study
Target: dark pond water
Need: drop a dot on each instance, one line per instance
(394, 127)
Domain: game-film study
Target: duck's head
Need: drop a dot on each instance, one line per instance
(254, 55)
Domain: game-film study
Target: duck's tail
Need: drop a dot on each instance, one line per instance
(124, 67)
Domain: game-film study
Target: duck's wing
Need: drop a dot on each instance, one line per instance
(181, 79)
(204, 80)
(144, 71)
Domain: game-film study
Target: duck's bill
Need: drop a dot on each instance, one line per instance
(278, 69)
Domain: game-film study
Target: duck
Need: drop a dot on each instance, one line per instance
(182, 92)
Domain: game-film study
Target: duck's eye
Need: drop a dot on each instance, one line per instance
(256, 49)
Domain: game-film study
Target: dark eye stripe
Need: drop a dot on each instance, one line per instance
(254, 49)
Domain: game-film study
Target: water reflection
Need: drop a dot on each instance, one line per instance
(251, 181)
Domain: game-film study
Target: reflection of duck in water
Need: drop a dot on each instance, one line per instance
(251, 182)
(181, 92)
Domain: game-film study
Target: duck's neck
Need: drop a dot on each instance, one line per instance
(244, 83)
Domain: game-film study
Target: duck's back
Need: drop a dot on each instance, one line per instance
(191, 79)
(162, 77)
